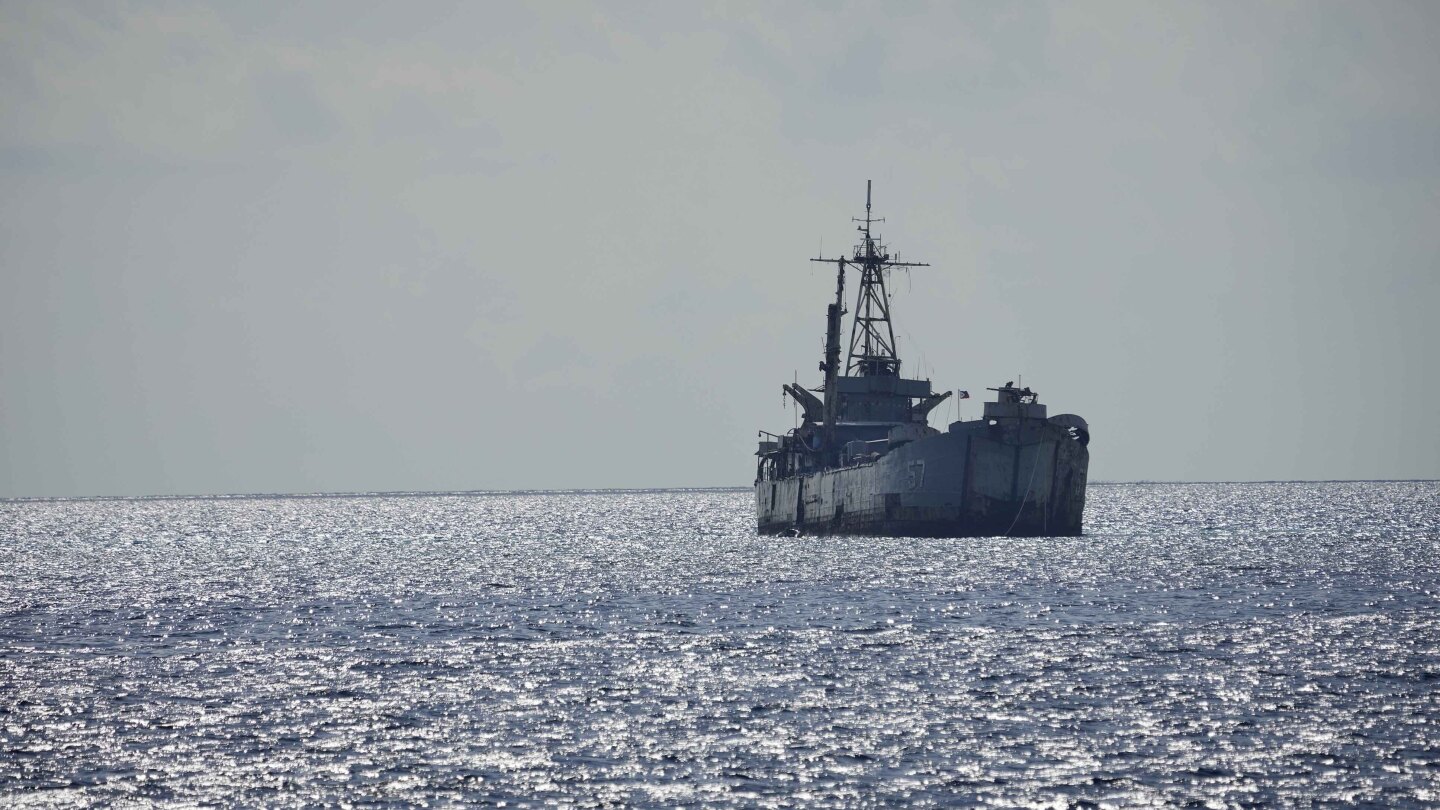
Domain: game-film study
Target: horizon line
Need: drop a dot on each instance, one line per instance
(609, 490)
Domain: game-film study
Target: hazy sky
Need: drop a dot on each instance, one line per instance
(257, 247)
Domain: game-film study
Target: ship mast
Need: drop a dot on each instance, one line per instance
(872, 337)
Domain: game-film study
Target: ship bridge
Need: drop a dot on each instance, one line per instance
(878, 399)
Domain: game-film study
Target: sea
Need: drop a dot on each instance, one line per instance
(1201, 645)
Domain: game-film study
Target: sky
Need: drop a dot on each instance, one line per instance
(337, 247)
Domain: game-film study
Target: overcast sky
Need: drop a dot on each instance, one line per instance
(252, 247)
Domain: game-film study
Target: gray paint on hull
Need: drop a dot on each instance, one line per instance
(977, 480)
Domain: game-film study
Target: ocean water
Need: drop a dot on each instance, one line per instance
(1212, 645)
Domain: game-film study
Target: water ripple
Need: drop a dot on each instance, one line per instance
(1209, 644)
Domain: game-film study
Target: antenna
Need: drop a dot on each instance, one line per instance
(872, 338)
(866, 222)
(872, 335)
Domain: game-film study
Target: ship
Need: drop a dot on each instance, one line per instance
(864, 460)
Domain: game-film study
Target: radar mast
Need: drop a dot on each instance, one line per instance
(872, 335)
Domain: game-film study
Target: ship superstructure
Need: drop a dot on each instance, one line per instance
(864, 459)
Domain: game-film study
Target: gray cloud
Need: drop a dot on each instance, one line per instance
(335, 247)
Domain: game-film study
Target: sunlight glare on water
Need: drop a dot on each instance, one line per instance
(1224, 644)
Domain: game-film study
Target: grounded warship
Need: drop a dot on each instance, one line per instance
(865, 461)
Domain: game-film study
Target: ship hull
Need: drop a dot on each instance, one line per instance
(977, 480)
